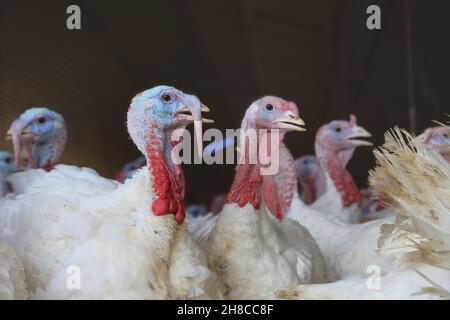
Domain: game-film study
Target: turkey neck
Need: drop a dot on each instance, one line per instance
(249, 186)
(46, 155)
(334, 165)
(167, 177)
(309, 189)
(278, 189)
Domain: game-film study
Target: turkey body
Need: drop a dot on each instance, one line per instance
(254, 254)
(12, 274)
(348, 249)
(81, 236)
(412, 248)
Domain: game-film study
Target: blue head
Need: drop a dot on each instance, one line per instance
(7, 166)
(162, 109)
(130, 168)
(307, 167)
(39, 136)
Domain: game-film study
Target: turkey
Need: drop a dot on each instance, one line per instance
(130, 169)
(340, 242)
(252, 251)
(7, 167)
(39, 136)
(415, 181)
(311, 178)
(12, 274)
(437, 139)
(334, 146)
(81, 236)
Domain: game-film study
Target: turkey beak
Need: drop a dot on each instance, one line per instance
(290, 123)
(195, 108)
(359, 132)
(16, 132)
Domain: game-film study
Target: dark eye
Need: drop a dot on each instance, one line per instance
(305, 161)
(338, 129)
(8, 160)
(41, 120)
(166, 98)
(269, 107)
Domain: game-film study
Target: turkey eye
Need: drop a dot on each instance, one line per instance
(41, 120)
(167, 98)
(269, 107)
(338, 129)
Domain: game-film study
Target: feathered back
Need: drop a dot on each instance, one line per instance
(415, 183)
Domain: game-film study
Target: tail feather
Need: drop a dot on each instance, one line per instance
(415, 182)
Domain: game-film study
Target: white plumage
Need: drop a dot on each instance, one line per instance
(415, 247)
(254, 254)
(12, 274)
(74, 217)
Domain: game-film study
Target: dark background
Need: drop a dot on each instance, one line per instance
(317, 53)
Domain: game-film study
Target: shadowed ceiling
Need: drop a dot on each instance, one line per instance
(317, 53)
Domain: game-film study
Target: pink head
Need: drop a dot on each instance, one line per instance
(437, 139)
(341, 135)
(334, 146)
(266, 113)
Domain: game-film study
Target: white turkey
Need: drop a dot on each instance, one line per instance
(311, 178)
(340, 242)
(7, 167)
(81, 236)
(416, 184)
(252, 251)
(39, 136)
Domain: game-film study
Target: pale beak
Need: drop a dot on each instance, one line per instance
(290, 124)
(360, 132)
(205, 108)
(193, 115)
(17, 133)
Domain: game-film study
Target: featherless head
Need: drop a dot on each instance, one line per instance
(130, 168)
(307, 167)
(437, 139)
(39, 136)
(163, 108)
(273, 113)
(7, 166)
(339, 135)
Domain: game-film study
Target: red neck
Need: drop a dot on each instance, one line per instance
(246, 187)
(167, 177)
(309, 190)
(278, 190)
(342, 179)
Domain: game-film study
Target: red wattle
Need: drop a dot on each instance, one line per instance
(344, 183)
(246, 186)
(167, 186)
(160, 207)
